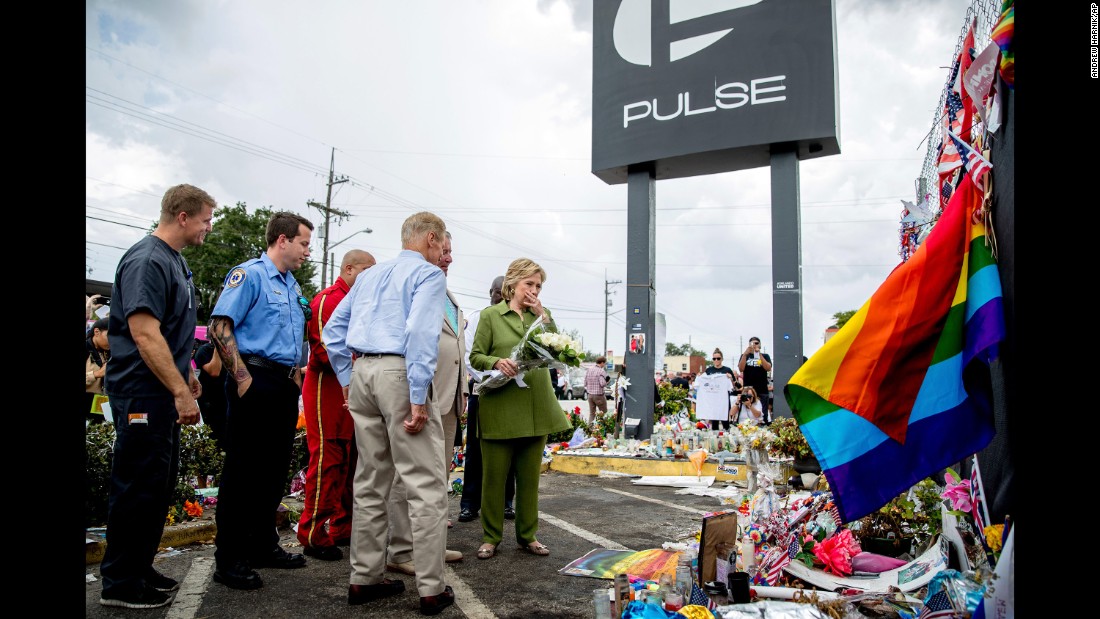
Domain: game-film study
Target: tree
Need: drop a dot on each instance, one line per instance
(682, 350)
(842, 318)
(236, 236)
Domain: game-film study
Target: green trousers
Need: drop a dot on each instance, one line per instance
(497, 456)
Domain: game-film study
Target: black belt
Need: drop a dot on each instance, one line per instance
(376, 355)
(260, 362)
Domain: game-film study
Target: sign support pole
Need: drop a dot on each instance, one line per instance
(641, 252)
(787, 350)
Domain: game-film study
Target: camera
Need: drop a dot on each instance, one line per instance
(745, 397)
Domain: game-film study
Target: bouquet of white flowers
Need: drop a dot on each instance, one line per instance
(537, 348)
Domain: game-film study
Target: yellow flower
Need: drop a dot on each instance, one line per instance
(171, 516)
(993, 536)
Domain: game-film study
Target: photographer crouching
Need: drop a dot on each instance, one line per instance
(749, 407)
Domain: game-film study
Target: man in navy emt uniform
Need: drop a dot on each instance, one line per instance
(258, 326)
(152, 390)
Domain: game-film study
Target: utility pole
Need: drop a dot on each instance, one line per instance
(607, 292)
(328, 211)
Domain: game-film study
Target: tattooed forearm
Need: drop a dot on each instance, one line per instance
(221, 333)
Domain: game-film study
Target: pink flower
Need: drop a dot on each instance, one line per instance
(833, 552)
(849, 541)
(958, 494)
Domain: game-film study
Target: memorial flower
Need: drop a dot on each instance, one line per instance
(537, 348)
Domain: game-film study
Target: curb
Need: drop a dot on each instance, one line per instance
(174, 536)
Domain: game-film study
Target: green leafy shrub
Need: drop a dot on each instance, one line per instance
(299, 459)
(576, 420)
(913, 514)
(99, 444)
(605, 424)
(675, 399)
(200, 454)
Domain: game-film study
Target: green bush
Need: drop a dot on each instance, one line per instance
(99, 449)
(199, 455)
(563, 437)
(675, 399)
(299, 459)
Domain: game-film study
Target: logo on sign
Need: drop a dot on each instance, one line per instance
(784, 285)
(633, 32)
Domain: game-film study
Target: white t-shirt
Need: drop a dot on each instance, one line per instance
(712, 396)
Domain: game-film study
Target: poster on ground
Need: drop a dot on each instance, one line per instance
(606, 564)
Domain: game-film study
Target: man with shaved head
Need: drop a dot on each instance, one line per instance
(326, 513)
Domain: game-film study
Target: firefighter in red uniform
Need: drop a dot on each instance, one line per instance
(329, 433)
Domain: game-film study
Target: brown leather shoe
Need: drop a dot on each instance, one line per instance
(361, 594)
(434, 604)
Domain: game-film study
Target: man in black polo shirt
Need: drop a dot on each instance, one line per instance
(152, 391)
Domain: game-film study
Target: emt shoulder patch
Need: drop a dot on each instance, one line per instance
(236, 277)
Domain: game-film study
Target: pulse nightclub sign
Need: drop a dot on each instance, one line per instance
(705, 87)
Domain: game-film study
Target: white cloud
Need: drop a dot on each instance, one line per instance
(481, 112)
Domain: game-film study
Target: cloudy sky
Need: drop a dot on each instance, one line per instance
(480, 111)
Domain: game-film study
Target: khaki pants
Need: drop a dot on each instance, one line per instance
(379, 404)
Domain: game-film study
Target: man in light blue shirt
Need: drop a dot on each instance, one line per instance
(257, 326)
(383, 343)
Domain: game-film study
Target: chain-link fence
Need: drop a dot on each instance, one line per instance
(984, 14)
(981, 16)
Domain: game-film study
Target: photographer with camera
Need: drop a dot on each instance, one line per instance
(755, 367)
(749, 408)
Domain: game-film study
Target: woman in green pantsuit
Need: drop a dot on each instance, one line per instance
(513, 421)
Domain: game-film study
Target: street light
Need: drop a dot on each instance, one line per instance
(333, 245)
(325, 260)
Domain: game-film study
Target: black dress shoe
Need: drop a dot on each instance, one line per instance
(238, 575)
(434, 604)
(279, 559)
(509, 512)
(466, 515)
(361, 594)
(324, 553)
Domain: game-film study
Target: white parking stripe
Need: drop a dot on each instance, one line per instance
(579, 532)
(465, 599)
(658, 502)
(189, 597)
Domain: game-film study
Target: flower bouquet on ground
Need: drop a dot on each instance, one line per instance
(538, 348)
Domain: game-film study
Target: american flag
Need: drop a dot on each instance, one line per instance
(794, 548)
(975, 164)
(937, 606)
(835, 513)
(700, 598)
(945, 193)
(772, 565)
(977, 500)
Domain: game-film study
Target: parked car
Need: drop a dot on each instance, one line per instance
(575, 390)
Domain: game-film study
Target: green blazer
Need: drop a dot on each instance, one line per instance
(510, 411)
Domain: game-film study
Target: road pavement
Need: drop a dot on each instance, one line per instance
(577, 513)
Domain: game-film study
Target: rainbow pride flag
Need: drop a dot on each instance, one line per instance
(1002, 34)
(902, 390)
